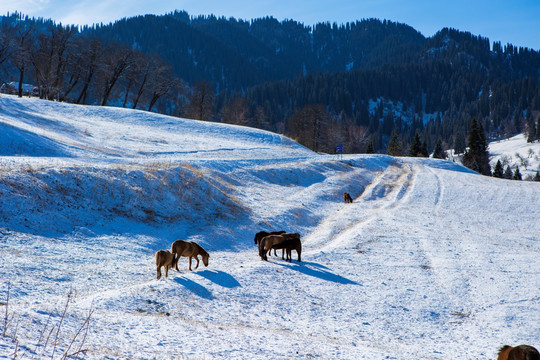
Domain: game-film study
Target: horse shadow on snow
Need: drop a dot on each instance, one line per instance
(318, 271)
(194, 287)
(218, 277)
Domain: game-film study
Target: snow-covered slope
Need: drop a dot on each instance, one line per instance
(516, 152)
(430, 261)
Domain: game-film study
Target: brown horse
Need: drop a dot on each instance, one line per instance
(347, 198)
(521, 352)
(166, 259)
(289, 245)
(189, 249)
(261, 234)
(267, 242)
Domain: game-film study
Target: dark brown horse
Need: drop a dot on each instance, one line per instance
(521, 352)
(189, 249)
(166, 259)
(266, 243)
(347, 198)
(289, 245)
(261, 234)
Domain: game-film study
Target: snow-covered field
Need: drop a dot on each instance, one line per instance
(430, 261)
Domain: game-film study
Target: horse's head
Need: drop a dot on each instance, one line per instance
(205, 259)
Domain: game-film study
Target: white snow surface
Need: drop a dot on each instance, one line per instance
(430, 261)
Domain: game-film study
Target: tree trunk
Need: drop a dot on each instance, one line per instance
(21, 79)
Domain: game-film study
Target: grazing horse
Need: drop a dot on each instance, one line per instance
(189, 249)
(261, 234)
(521, 352)
(166, 259)
(289, 245)
(268, 241)
(347, 198)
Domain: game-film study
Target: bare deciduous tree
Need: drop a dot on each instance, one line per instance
(162, 81)
(309, 126)
(201, 102)
(50, 59)
(91, 51)
(236, 112)
(118, 59)
(21, 57)
(7, 36)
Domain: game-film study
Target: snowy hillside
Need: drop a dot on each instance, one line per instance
(516, 151)
(430, 261)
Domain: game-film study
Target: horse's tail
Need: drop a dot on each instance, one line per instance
(174, 261)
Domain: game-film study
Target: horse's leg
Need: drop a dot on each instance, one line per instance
(190, 263)
(158, 273)
(282, 254)
(197, 257)
(262, 251)
(166, 271)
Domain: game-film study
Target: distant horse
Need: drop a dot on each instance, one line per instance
(266, 243)
(261, 234)
(189, 249)
(289, 245)
(521, 352)
(166, 259)
(347, 198)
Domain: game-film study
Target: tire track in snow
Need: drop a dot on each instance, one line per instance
(386, 192)
(439, 192)
(443, 257)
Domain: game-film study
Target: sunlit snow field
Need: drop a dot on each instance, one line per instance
(430, 261)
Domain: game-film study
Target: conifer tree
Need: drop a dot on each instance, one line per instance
(498, 172)
(369, 148)
(394, 147)
(508, 173)
(459, 143)
(531, 129)
(477, 156)
(416, 147)
(423, 149)
(439, 152)
(517, 174)
(537, 176)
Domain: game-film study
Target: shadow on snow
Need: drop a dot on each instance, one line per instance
(194, 287)
(219, 277)
(318, 271)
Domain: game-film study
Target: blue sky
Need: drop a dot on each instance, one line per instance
(512, 21)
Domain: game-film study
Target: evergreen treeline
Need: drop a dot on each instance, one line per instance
(362, 85)
(237, 54)
(371, 76)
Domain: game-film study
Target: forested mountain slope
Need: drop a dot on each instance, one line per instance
(355, 84)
